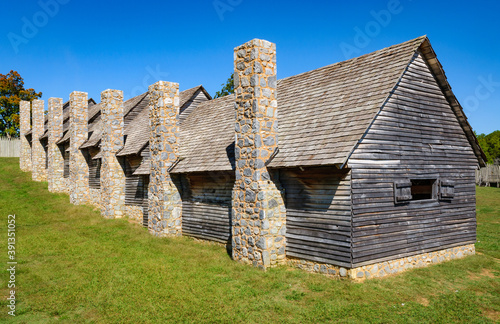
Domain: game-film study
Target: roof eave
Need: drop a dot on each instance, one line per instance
(440, 76)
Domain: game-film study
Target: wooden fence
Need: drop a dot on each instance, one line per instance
(10, 147)
(488, 176)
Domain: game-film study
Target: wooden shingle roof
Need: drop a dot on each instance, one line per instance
(322, 113)
(137, 131)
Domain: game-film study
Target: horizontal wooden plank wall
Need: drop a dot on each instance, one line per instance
(415, 135)
(206, 205)
(318, 214)
(94, 169)
(65, 148)
(134, 184)
(145, 202)
(45, 145)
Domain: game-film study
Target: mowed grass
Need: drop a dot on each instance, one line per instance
(74, 266)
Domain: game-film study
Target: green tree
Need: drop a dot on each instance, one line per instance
(491, 146)
(227, 88)
(12, 91)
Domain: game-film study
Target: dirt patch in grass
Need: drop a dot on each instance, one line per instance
(487, 273)
(492, 315)
(423, 301)
(484, 273)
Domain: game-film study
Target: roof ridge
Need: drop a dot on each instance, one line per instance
(423, 38)
(420, 40)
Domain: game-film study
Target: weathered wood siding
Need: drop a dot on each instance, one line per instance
(318, 214)
(45, 145)
(416, 135)
(145, 202)
(135, 188)
(206, 205)
(65, 150)
(94, 168)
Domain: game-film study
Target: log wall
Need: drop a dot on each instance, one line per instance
(206, 205)
(416, 135)
(318, 214)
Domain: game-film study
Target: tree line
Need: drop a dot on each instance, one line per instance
(491, 146)
(12, 91)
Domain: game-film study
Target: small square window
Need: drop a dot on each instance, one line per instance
(422, 189)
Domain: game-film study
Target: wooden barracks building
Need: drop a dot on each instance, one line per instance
(358, 169)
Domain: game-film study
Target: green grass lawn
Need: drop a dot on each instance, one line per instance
(74, 266)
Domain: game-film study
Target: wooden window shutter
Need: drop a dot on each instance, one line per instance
(402, 191)
(446, 189)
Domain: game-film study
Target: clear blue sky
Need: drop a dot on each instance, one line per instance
(96, 45)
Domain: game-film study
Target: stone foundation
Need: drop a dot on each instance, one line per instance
(134, 213)
(382, 269)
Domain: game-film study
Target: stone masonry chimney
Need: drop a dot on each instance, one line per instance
(165, 204)
(24, 127)
(259, 215)
(38, 153)
(55, 175)
(112, 172)
(78, 167)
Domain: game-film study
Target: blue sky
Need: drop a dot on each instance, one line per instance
(59, 46)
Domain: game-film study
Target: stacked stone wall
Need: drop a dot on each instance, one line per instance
(165, 204)
(258, 214)
(112, 172)
(95, 197)
(134, 213)
(78, 167)
(24, 127)
(55, 170)
(39, 155)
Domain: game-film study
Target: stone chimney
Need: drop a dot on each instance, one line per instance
(112, 172)
(259, 215)
(38, 152)
(78, 167)
(55, 174)
(24, 127)
(165, 204)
